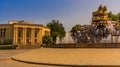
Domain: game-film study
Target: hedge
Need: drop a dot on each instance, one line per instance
(5, 47)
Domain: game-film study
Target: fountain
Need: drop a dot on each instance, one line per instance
(103, 32)
(67, 39)
(107, 30)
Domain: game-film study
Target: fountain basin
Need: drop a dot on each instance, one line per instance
(86, 45)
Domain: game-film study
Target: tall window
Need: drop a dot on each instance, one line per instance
(19, 40)
(36, 32)
(35, 40)
(28, 34)
(20, 32)
(2, 32)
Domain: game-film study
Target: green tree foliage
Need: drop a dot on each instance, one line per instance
(113, 16)
(110, 14)
(74, 30)
(57, 29)
(61, 32)
(118, 17)
(47, 39)
(7, 41)
(1, 42)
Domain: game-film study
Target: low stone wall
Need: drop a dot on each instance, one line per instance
(28, 46)
(87, 45)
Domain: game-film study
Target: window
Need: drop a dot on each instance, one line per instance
(1, 34)
(36, 32)
(27, 41)
(4, 34)
(35, 40)
(19, 40)
(20, 32)
(28, 34)
(1, 29)
(4, 29)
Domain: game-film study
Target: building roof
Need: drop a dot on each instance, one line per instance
(21, 22)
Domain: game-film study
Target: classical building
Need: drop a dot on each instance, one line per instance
(23, 33)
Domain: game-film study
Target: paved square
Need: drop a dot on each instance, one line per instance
(74, 56)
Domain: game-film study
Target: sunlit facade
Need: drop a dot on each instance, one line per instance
(23, 33)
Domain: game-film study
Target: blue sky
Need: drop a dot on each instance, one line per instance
(69, 12)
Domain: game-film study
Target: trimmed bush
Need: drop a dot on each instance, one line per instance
(7, 41)
(1, 42)
(6, 47)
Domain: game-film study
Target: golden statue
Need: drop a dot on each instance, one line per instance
(99, 17)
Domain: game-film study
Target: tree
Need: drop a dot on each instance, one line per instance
(112, 16)
(47, 40)
(118, 16)
(61, 32)
(115, 17)
(74, 30)
(57, 29)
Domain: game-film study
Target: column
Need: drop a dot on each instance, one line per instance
(14, 35)
(32, 35)
(16, 39)
(24, 36)
(40, 36)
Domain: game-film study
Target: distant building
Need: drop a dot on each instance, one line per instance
(23, 33)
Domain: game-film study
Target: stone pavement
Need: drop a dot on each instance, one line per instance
(7, 53)
(71, 57)
(5, 59)
(12, 63)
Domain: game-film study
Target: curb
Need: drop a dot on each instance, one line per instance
(40, 63)
(66, 65)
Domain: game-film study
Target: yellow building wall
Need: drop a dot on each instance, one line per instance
(12, 33)
(8, 32)
(32, 39)
(46, 29)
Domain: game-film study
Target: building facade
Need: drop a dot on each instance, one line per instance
(23, 33)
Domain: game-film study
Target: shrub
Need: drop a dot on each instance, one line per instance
(47, 40)
(7, 41)
(5, 47)
(0, 42)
